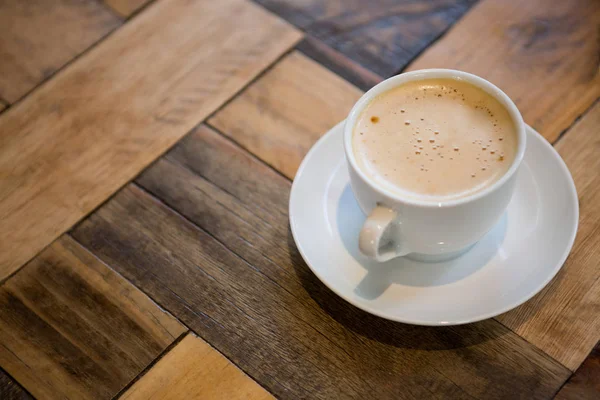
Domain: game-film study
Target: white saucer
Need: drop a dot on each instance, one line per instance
(513, 262)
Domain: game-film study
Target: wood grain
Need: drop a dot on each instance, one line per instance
(281, 132)
(70, 327)
(544, 55)
(237, 279)
(381, 35)
(125, 8)
(564, 318)
(585, 383)
(74, 142)
(11, 390)
(194, 370)
(337, 62)
(37, 37)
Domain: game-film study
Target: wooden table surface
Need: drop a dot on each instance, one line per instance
(147, 150)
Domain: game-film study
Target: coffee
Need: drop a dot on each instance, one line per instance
(436, 139)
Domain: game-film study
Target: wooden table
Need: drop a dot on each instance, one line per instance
(146, 155)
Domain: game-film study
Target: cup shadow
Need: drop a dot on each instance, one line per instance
(404, 271)
(392, 333)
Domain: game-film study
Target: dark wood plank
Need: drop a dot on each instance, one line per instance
(194, 370)
(262, 307)
(382, 35)
(71, 144)
(585, 383)
(564, 318)
(126, 8)
(543, 54)
(11, 390)
(70, 327)
(281, 132)
(337, 62)
(37, 37)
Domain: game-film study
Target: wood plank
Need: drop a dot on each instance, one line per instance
(262, 307)
(80, 137)
(585, 383)
(338, 63)
(126, 8)
(544, 56)
(281, 132)
(564, 318)
(382, 35)
(11, 390)
(70, 327)
(194, 370)
(37, 37)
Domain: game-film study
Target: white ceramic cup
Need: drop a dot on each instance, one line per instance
(425, 229)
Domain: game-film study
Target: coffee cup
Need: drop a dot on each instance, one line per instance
(429, 227)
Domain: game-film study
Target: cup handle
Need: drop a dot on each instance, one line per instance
(378, 236)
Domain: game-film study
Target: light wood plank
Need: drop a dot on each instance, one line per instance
(194, 370)
(238, 280)
(543, 54)
(37, 37)
(281, 132)
(74, 142)
(125, 8)
(564, 318)
(70, 327)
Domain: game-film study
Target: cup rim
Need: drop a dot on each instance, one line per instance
(438, 73)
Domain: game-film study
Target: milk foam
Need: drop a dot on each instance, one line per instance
(436, 138)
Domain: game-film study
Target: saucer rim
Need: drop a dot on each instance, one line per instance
(560, 262)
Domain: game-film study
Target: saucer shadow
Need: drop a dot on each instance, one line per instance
(404, 271)
(392, 333)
